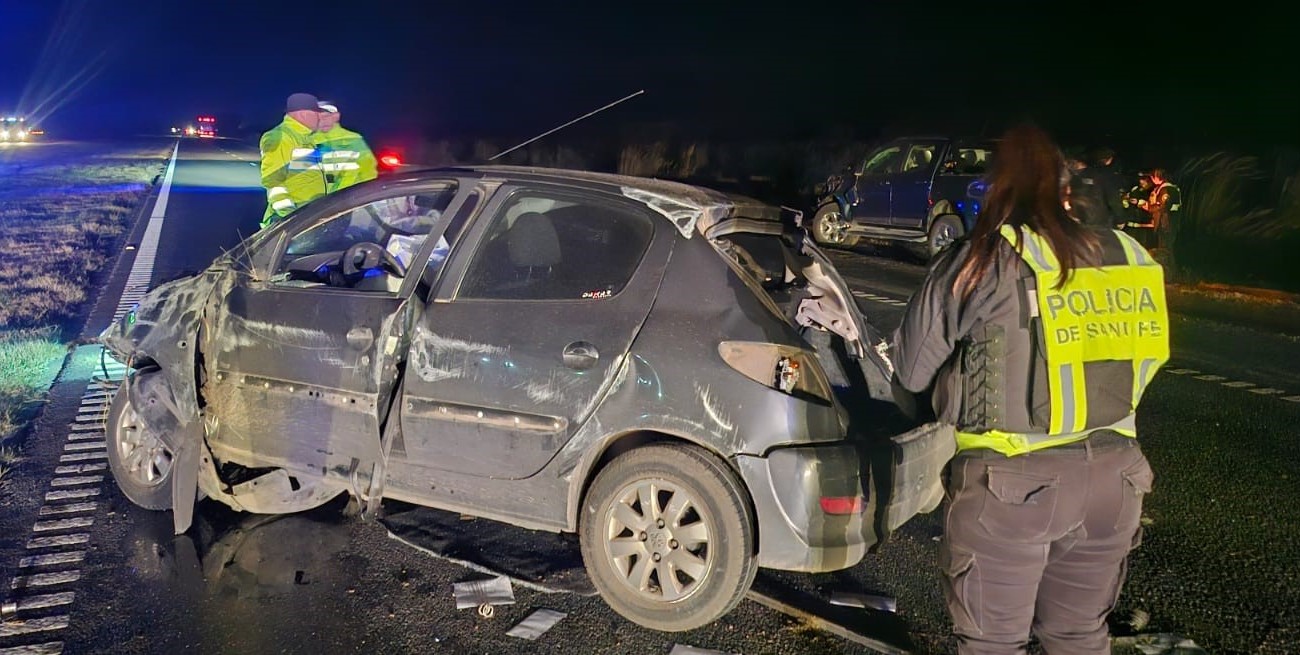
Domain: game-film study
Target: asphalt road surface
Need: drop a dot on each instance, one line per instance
(1220, 563)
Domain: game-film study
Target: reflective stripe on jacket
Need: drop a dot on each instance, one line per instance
(291, 169)
(345, 158)
(1108, 313)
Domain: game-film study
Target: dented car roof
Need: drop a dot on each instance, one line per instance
(690, 208)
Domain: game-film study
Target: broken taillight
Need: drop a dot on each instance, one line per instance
(842, 505)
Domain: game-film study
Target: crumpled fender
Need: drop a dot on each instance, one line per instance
(164, 329)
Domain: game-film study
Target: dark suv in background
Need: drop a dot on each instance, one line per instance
(921, 191)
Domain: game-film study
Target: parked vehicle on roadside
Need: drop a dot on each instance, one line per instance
(921, 191)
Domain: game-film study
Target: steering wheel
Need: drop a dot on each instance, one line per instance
(365, 255)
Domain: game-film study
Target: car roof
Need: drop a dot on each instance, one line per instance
(690, 207)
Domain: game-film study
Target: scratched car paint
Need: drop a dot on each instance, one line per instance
(661, 368)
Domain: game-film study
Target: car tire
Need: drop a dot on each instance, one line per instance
(943, 231)
(702, 503)
(140, 462)
(824, 231)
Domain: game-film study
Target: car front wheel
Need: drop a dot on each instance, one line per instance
(140, 461)
(668, 538)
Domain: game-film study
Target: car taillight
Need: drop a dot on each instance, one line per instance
(391, 160)
(841, 505)
(787, 369)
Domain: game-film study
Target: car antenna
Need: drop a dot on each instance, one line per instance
(557, 129)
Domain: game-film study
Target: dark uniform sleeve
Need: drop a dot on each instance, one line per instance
(936, 320)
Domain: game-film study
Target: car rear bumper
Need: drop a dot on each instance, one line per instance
(795, 533)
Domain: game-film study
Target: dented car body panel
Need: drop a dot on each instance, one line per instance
(528, 325)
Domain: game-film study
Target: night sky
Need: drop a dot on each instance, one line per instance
(1149, 72)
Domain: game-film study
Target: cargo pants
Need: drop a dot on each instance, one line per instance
(1040, 542)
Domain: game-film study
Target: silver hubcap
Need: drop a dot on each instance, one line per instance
(831, 229)
(657, 539)
(146, 459)
(944, 234)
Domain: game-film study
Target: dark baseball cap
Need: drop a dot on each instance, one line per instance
(302, 101)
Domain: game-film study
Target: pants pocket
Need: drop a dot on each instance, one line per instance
(961, 589)
(1019, 506)
(1137, 481)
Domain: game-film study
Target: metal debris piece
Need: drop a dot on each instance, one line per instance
(1161, 644)
(491, 591)
(864, 601)
(679, 649)
(536, 624)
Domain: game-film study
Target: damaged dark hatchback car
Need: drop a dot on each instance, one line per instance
(660, 368)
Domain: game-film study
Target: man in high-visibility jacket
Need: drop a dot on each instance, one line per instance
(291, 164)
(345, 157)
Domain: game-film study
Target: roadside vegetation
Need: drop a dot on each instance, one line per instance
(61, 224)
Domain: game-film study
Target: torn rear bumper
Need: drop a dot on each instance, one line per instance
(795, 533)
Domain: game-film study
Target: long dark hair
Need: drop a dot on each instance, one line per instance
(1026, 185)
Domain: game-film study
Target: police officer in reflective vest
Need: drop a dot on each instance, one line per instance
(291, 165)
(345, 157)
(1036, 338)
(1165, 200)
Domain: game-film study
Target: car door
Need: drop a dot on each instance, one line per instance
(305, 361)
(874, 186)
(507, 362)
(910, 203)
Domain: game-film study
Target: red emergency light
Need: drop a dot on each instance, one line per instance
(390, 160)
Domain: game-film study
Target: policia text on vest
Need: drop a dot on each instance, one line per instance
(1105, 313)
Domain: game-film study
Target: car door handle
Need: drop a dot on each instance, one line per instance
(360, 338)
(580, 355)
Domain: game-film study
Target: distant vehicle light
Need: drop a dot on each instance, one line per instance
(391, 160)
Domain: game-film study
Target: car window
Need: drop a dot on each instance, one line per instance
(397, 225)
(551, 247)
(919, 157)
(969, 160)
(883, 162)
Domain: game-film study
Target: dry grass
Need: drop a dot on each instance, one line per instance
(57, 223)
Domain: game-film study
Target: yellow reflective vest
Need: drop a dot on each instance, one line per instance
(291, 169)
(1104, 313)
(344, 158)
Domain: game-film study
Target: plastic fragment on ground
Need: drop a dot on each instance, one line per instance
(490, 591)
(536, 624)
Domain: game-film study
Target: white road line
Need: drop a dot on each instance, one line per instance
(73, 523)
(1210, 378)
(76, 481)
(70, 508)
(1183, 371)
(24, 627)
(51, 648)
(80, 468)
(58, 540)
(68, 494)
(81, 457)
(44, 579)
(43, 601)
(70, 557)
(1238, 384)
(1291, 399)
(84, 446)
(1268, 391)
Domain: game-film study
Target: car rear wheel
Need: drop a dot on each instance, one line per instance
(668, 538)
(140, 461)
(943, 231)
(830, 229)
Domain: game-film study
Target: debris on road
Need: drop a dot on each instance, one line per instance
(1161, 644)
(864, 601)
(679, 649)
(477, 593)
(536, 624)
